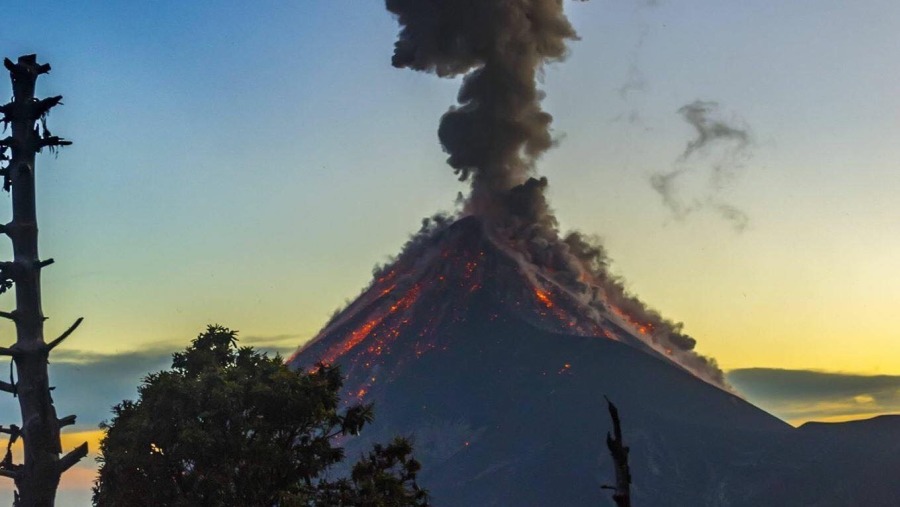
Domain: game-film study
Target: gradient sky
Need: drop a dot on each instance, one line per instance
(247, 163)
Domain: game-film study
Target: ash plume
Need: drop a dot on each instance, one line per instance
(666, 334)
(732, 144)
(498, 129)
(495, 135)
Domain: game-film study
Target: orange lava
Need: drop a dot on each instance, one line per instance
(359, 334)
(644, 329)
(543, 297)
(387, 291)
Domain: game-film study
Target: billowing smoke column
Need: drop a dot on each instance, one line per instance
(498, 131)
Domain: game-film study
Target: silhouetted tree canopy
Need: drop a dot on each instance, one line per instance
(232, 426)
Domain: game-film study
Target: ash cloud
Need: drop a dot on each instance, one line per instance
(665, 334)
(724, 146)
(498, 130)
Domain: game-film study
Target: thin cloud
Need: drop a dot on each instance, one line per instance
(88, 384)
(283, 344)
(806, 395)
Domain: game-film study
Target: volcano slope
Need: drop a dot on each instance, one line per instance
(499, 379)
(845, 464)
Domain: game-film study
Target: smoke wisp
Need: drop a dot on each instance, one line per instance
(710, 129)
(724, 146)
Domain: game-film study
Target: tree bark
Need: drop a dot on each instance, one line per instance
(619, 452)
(38, 477)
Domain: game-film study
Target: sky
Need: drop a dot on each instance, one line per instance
(248, 164)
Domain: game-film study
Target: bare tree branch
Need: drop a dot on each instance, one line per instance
(74, 456)
(37, 479)
(65, 335)
(619, 452)
(66, 421)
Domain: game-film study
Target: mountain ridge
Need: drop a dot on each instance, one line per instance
(499, 376)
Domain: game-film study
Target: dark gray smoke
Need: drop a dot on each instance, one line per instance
(498, 129)
(664, 332)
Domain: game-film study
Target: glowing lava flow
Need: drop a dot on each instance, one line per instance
(643, 329)
(570, 321)
(434, 284)
(543, 297)
(363, 331)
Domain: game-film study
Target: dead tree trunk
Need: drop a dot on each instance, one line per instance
(619, 452)
(38, 477)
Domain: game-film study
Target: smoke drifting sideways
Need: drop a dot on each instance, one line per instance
(498, 131)
(734, 149)
(709, 129)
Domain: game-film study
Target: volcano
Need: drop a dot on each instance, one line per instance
(491, 340)
(498, 374)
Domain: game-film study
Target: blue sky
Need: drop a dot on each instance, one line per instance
(248, 163)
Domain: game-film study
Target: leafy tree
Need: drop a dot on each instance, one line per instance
(232, 426)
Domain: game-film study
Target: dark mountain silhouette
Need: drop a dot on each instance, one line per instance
(829, 465)
(499, 375)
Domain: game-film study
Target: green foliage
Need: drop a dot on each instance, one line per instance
(232, 426)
